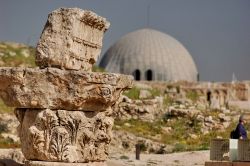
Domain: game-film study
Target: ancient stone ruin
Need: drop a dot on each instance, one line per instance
(64, 109)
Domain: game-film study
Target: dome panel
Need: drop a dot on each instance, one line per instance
(145, 50)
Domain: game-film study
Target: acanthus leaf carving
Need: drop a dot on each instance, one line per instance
(68, 136)
(59, 144)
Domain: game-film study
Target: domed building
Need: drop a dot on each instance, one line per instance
(148, 54)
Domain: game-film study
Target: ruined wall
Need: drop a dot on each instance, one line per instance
(216, 95)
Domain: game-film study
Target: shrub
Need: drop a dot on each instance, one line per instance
(178, 147)
(123, 157)
(4, 108)
(132, 93)
(155, 92)
(167, 101)
(98, 69)
(143, 147)
(13, 55)
(192, 95)
(140, 128)
(8, 143)
(3, 128)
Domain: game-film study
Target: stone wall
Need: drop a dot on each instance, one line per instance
(217, 94)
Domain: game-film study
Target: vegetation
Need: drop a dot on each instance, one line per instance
(167, 101)
(155, 92)
(186, 133)
(139, 127)
(212, 112)
(4, 108)
(3, 128)
(132, 93)
(8, 143)
(180, 134)
(123, 157)
(192, 95)
(97, 69)
(13, 54)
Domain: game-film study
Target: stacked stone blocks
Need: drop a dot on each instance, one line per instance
(63, 108)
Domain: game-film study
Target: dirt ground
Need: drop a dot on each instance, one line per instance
(10, 157)
(195, 158)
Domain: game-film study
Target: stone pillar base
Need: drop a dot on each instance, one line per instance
(44, 163)
(64, 136)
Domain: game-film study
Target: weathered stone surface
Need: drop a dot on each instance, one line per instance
(125, 142)
(144, 94)
(182, 112)
(11, 157)
(43, 163)
(61, 89)
(8, 125)
(145, 110)
(64, 115)
(71, 39)
(65, 136)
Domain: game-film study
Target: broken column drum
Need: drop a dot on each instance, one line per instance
(64, 109)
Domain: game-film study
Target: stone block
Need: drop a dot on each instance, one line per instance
(219, 149)
(43, 163)
(243, 150)
(218, 163)
(71, 39)
(64, 136)
(61, 89)
(64, 115)
(241, 163)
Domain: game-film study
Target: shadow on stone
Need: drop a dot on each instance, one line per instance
(9, 162)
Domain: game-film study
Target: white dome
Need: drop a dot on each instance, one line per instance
(150, 55)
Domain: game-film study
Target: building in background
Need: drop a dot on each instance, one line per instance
(148, 54)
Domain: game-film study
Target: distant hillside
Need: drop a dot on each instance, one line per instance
(16, 55)
(21, 55)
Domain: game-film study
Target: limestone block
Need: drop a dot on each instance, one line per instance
(64, 136)
(218, 163)
(71, 39)
(61, 89)
(241, 163)
(43, 163)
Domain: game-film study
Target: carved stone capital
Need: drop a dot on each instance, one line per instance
(64, 136)
(61, 89)
(65, 114)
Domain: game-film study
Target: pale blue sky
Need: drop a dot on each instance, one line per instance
(215, 32)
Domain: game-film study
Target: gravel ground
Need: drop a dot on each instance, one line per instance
(12, 157)
(194, 158)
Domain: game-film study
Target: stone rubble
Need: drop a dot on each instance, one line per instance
(125, 142)
(146, 110)
(151, 109)
(8, 126)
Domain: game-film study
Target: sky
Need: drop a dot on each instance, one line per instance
(215, 32)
